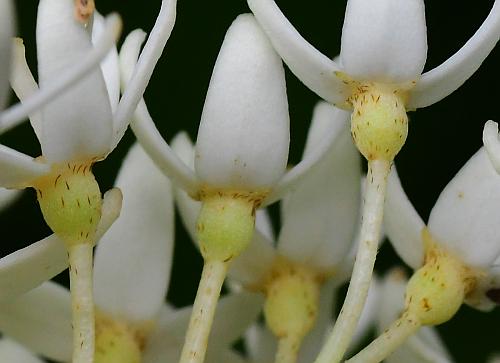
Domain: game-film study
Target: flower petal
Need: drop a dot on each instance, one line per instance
(133, 260)
(313, 68)
(144, 128)
(7, 17)
(491, 143)
(465, 218)
(234, 314)
(109, 65)
(41, 320)
(335, 120)
(7, 196)
(320, 220)
(403, 226)
(10, 351)
(244, 136)
(24, 85)
(18, 170)
(384, 41)
(45, 259)
(78, 124)
(447, 77)
(263, 223)
(260, 343)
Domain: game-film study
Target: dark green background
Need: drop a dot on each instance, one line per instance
(441, 138)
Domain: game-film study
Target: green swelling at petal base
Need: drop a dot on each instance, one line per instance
(70, 201)
(115, 343)
(225, 225)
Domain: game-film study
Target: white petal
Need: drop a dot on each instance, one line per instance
(403, 226)
(447, 77)
(145, 129)
(133, 260)
(244, 130)
(18, 113)
(263, 223)
(320, 220)
(385, 40)
(491, 143)
(41, 320)
(76, 125)
(45, 259)
(23, 84)
(7, 18)
(314, 69)
(334, 121)
(109, 65)
(18, 170)
(7, 196)
(465, 218)
(145, 66)
(260, 344)
(10, 351)
(234, 314)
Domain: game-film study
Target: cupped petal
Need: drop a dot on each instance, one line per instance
(447, 77)
(233, 315)
(11, 351)
(18, 113)
(426, 344)
(41, 321)
(24, 85)
(7, 17)
(312, 67)
(77, 125)
(133, 261)
(144, 128)
(335, 120)
(384, 41)
(465, 218)
(491, 143)
(244, 136)
(320, 219)
(48, 257)
(18, 170)
(109, 66)
(403, 226)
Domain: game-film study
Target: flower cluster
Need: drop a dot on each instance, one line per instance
(344, 269)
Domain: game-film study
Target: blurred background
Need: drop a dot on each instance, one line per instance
(441, 137)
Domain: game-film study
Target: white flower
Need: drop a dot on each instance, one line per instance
(382, 41)
(464, 222)
(319, 223)
(10, 351)
(132, 273)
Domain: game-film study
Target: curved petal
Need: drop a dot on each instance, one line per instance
(144, 69)
(234, 314)
(77, 125)
(385, 41)
(10, 351)
(23, 84)
(6, 31)
(109, 65)
(465, 218)
(260, 344)
(324, 142)
(66, 80)
(403, 226)
(263, 223)
(133, 261)
(313, 68)
(41, 320)
(491, 143)
(45, 259)
(447, 77)
(18, 170)
(7, 196)
(144, 128)
(320, 219)
(244, 136)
